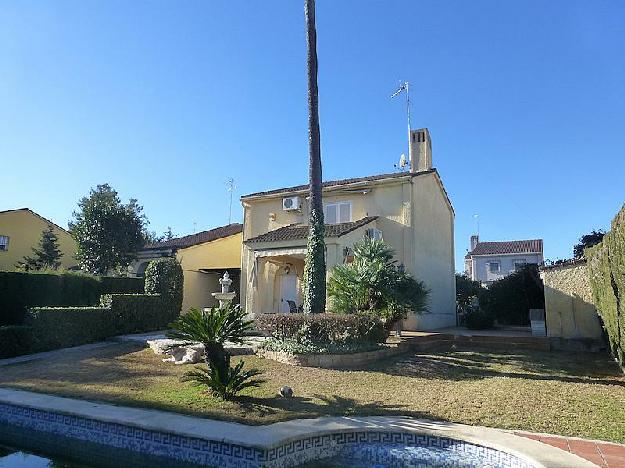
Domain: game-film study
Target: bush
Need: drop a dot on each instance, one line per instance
(62, 327)
(164, 276)
(293, 347)
(20, 290)
(510, 299)
(136, 313)
(479, 319)
(14, 340)
(374, 283)
(323, 329)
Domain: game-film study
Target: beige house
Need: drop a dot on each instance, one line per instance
(409, 210)
(204, 257)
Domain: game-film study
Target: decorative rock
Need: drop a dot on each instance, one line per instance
(186, 354)
(194, 353)
(286, 391)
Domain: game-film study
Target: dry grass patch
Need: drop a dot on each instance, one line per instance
(569, 394)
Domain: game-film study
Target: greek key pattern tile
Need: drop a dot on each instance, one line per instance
(388, 448)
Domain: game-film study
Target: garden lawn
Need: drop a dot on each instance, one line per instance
(562, 393)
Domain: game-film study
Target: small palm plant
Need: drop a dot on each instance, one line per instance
(213, 327)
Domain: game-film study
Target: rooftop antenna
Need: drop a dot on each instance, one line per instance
(405, 86)
(230, 188)
(194, 227)
(476, 217)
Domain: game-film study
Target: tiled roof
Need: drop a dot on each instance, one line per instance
(508, 247)
(198, 238)
(332, 183)
(300, 231)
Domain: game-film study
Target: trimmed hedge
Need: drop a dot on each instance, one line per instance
(318, 329)
(164, 276)
(62, 327)
(14, 340)
(136, 313)
(21, 290)
(606, 268)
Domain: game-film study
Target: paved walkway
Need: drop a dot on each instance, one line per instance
(603, 454)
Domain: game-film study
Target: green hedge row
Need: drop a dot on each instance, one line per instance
(14, 340)
(606, 268)
(118, 314)
(136, 313)
(20, 291)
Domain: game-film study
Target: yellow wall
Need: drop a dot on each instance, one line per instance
(569, 308)
(220, 254)
(24, 229)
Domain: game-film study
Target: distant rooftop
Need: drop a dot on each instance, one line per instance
(508, 247)
(198, 238)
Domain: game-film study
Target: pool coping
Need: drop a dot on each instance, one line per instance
(277, 434)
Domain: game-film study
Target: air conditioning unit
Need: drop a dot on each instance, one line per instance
(291, 203)
(374, 233)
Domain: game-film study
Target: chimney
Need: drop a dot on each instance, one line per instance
(474, 240)
(420, 150)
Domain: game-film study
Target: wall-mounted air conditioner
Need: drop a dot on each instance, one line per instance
(291, 203)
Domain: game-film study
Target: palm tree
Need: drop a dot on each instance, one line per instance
(315, 269)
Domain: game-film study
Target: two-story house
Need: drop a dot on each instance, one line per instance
(408, 210)
(490, 261)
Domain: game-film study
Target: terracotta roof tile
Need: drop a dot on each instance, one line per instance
(198, 238)
(300, 231)
(508, 247)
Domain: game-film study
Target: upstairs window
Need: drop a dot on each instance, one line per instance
(494, 267)
(335, 213)
(518, 264)
(4, 243)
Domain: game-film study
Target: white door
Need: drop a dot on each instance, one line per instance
(288, 291)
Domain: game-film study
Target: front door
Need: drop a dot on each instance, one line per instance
(288, 292)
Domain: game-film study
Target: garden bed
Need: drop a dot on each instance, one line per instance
(333, 361)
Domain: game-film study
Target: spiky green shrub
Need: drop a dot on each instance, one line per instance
(213, 327)
(225, 385)
(374, 283)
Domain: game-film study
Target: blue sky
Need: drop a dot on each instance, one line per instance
(525, 102)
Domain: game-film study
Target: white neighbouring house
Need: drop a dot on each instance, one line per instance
(409, 210)
(490, 261)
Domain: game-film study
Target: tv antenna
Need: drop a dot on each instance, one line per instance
(476, 217)
(230, 188)
(404, 87)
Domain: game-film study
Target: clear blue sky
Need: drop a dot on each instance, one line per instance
(165, 100)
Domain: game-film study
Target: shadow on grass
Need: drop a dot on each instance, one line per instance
(322, 405)
(476, 364)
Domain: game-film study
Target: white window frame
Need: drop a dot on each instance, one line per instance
(4, 243)
(490, 266)
(337, 205)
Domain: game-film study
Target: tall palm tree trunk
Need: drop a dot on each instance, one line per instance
(315, 269)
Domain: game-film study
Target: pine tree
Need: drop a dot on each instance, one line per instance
(46, 256)
(315, 267)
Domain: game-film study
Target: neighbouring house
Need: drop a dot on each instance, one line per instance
(410, 211)
(490, 261)
(204, 256)
(20, 232)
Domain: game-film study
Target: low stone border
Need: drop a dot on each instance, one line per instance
(333, 361)
(142, 437)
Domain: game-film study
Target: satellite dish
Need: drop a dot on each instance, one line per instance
(403, 162)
